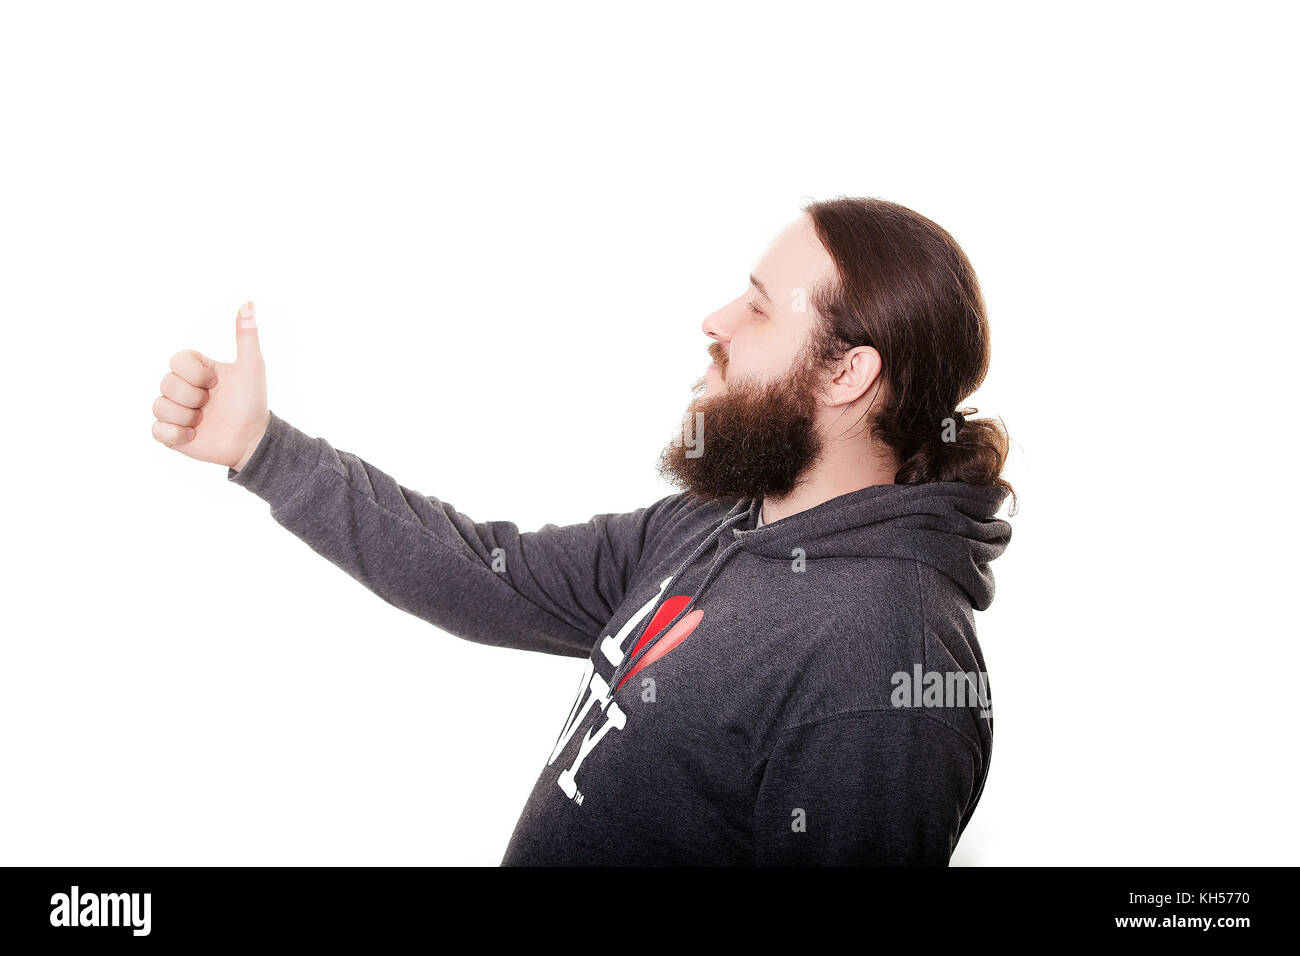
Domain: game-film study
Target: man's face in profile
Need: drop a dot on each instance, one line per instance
(755, 429)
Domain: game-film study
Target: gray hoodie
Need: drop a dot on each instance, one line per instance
(806, 692)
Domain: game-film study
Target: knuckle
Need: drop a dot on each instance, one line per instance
(187, 365)
(182, 392)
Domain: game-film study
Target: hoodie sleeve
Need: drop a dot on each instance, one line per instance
(870, 788)
(551, 590)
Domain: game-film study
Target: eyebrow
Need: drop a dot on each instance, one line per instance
(762, 289)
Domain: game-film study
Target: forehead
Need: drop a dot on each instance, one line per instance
(794, 259)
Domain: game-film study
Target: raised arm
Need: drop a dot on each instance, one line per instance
(550, 590)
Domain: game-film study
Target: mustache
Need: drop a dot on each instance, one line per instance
(719, 354)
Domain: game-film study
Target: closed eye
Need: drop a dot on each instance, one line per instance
(754, 308)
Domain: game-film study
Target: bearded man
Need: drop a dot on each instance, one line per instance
(780, 659)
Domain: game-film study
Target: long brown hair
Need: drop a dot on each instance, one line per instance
(906, 289)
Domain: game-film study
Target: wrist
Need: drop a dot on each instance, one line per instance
(251, 446)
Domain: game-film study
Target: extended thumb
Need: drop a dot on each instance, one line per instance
(248, 348)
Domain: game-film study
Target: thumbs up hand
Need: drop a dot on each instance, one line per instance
(215, 411)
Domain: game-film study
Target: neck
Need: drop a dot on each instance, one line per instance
(842, 468)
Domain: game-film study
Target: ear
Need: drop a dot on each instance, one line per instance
(857, 371)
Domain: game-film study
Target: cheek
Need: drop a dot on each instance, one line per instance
(754, 361)
(760, 349)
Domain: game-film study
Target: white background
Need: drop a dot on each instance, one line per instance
(481, 240)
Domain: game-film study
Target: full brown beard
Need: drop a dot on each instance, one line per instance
(759, 439)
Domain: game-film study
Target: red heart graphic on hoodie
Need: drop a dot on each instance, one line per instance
(681, 630)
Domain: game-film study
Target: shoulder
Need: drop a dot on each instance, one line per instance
(862, 643)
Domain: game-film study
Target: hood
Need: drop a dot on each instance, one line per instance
(950, 526)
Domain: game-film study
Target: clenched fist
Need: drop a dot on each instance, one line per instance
(215, 411)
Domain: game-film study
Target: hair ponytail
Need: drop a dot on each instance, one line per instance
(962, 448)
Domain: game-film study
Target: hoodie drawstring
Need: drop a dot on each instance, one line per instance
(665, 591)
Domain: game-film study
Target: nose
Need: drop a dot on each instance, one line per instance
(715, 327)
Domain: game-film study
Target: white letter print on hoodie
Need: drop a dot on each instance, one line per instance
(593, 689)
